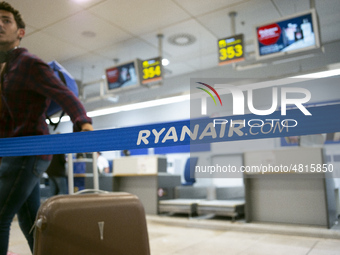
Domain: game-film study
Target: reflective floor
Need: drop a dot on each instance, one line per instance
(183, 236)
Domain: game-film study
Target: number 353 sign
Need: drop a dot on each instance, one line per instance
(230, 49)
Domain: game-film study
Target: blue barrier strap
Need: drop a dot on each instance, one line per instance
(324, 119)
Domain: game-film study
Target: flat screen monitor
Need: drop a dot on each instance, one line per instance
(289, 35)
(123, 76)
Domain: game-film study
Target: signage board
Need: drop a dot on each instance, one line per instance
(289, 35)
(230, 49)
(123, 76)
(151, 70)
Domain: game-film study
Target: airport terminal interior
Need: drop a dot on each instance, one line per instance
(227, 114)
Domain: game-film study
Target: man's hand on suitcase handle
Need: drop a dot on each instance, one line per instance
(87, 127)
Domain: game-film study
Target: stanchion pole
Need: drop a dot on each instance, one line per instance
(70, 174)
(95, 171)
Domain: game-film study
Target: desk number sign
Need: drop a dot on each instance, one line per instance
(230, 49)
(152, 70)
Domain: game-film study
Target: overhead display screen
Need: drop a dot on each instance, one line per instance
(289, 35)
(230, 49)
(123, 76)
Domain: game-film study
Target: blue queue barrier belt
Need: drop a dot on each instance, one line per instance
(324, 119)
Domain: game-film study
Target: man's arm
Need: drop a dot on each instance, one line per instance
(47, 84)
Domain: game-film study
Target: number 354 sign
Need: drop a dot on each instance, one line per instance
(230, 49)
(152, 70)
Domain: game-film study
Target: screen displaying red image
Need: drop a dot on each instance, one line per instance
(122, 76)
(268, 35)
(288, 35)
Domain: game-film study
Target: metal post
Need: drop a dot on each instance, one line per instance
(70, 174)
(160, 45)
(204, 105)
(232, 16)
(101, 84)
(95, 171)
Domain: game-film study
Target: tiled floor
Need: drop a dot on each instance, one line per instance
(182, 236)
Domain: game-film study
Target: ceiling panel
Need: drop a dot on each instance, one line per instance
(85, 22)
(204, 39)
(199, 7)
(289, 7)
(87, 68)
(86, 3)
(248, 15)
(50, 48)
(203, 62)
(42, 13)
(30, 30)
(139, 17)
(129, 49)
(326, 10)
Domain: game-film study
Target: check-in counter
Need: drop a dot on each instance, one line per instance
(299, 190)
(146, 177)
(143, 176)
(139, 165)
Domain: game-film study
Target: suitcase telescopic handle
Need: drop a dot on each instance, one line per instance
(94, 191)
(70, 173)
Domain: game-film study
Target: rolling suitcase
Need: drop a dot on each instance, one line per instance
(91, 224)
(106, 223)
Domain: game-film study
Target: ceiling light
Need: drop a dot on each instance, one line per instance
(165, 62)
(130, 107)
(317, 75)
(81, 1)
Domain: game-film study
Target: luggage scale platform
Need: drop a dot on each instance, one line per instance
(231, 208)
